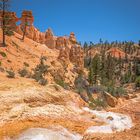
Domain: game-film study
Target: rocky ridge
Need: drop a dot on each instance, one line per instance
(66, 45)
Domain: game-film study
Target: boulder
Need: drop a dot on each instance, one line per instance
(111, 101)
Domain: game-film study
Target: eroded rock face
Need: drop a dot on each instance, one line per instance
(64, 55)
(77, 55)
(12, 19)
(117, 53)
(72, 38)
(42, 38)
(32, 33)
(27, 16)
(69, 50)
(50, 40)
(74, 54)
(61, 43)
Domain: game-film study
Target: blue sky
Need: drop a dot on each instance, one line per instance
(90, 19)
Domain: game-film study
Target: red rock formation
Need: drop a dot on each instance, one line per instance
(62, 42)
(42, 38)
(64, 55)
(31, 31)
(77, 56)
(11, 19)
(50, 40)
(27, 16)
(115, 52)
(72, 38)
(18, 30)
(69, 50)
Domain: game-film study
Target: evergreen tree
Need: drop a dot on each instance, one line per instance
(94, 70)
(85, 46)
(103, 69)
(90, 75)
(24, 28)
(7, 29)
(100, 41)
(110, 69)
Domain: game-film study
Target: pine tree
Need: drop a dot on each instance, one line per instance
(85, 46)
(24, 28)
(103, 66)
(94, 70)
(90, 75)
(110, 68)
(7, 29)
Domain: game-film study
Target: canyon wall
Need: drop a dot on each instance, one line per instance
(69, 49)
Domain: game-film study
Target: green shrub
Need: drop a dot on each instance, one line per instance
(80, 90)
(62, 83)
(3, 54)
(91, 105)
(40, 70)
(100, 102)
(11, 74)
(87, 62)
(111, 90)
(120, 91)
(23, 72)
(97, 103)
(37, 76)
(81, 83)
(126, 78)
(137, 81)
(116, 91)
(9, 33)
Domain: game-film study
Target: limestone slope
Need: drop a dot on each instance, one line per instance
(28, 52)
